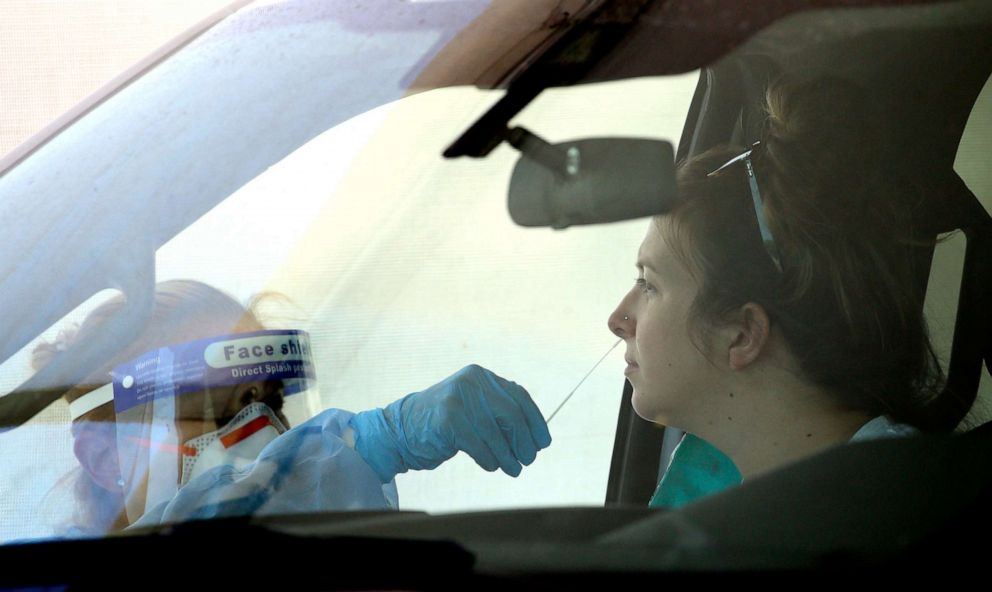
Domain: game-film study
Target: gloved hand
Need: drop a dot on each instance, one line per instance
(492, 419)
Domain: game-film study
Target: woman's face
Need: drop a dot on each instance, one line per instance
(196, 414)
(669, 374)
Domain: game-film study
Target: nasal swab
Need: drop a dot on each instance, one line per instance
(555, 412)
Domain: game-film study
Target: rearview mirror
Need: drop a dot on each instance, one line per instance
(589, 181)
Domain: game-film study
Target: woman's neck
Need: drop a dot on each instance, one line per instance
(772, 423)
(756, 453)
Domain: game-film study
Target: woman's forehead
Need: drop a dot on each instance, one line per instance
(656, 254)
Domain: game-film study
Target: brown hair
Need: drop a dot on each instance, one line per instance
(848, 300)
(184, 310)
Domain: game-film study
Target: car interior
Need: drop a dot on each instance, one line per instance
(896, 506)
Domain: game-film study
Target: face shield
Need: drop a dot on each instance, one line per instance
(184, 409)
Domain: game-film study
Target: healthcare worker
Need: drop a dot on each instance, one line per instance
(776, 310)
(209, 414)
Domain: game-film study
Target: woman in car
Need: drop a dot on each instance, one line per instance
(334, 461)
(777, 310)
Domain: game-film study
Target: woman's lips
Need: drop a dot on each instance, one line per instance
(631, 366)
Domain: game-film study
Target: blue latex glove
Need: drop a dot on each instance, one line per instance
(492, 419)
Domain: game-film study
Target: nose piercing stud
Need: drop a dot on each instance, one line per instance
(626, 318)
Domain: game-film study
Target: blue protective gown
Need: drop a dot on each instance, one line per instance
(308, 469)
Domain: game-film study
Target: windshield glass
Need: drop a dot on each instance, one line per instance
(402, 266)
(256, 286)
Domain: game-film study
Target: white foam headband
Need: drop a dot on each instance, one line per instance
(91, 401)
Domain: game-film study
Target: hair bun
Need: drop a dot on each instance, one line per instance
(828, 112)
(822, 152)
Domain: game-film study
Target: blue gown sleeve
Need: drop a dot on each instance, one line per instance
(308, 469)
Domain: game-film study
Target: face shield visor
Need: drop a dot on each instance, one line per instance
(185, 409)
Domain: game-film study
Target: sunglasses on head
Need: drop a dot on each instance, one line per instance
(766, 234)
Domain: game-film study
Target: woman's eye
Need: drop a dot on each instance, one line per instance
(644, 286)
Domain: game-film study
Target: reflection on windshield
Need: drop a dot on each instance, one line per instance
(400, 280)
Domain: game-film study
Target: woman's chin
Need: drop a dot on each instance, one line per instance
(648, 409)
(642, 407)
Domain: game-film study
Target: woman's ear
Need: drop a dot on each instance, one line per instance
(750, 336)
(246, 393)
(95, 445)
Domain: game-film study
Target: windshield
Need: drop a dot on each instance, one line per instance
(402, 266)
(281, 179)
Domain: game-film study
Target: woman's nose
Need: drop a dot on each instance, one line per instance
(620, 322)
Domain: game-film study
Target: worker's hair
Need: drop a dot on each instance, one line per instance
(849, 297)
(183, 310)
